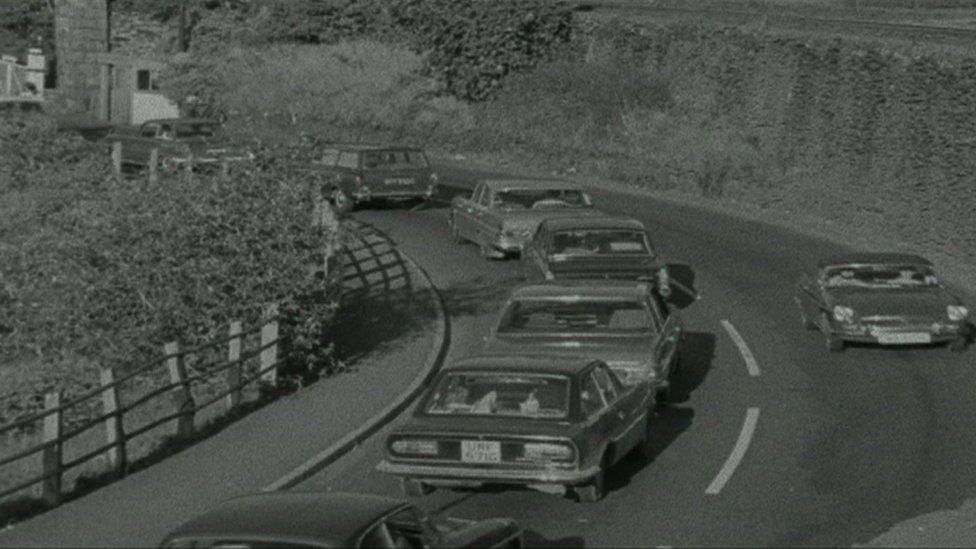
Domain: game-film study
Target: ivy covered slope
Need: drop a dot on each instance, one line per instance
(96, 272)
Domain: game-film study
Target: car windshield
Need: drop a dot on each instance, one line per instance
(592, 316)
(196, 130)
(526, 395)
(394, 159)
(522, 199)
(879, 276)
(599, 242)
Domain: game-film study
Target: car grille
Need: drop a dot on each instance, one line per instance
(897, 323)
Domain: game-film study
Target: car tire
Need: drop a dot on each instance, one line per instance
(834, 343)
(958, 345)
(663, 395)
(413, 488)
(594, 490)
(341, 201)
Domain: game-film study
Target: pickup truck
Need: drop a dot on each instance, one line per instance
(178, 139)
(357, 173)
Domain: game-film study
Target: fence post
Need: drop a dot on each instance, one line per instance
(224, 170)
(51, 455)
(117, 161)
(188, 168)
(269, 339)
(234, 371)
(182, 399)
(154, 166)
(114, 430)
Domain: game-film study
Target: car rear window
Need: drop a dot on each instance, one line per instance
(591, 316)
(879, 276)
(525, 395)
(520, 199)
(394, 159)
(585, 242)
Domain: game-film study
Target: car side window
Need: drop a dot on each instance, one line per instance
(591, 399)
(348, 159)
(486, 197)
(605, 383)
(149, 130)
(167, 131)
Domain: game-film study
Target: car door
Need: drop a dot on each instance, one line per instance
(809, 297)
(598, 425)
(483, 218)
(624, 413)
(463, 213)
(670, 329)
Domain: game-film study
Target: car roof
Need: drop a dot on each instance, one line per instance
(565, 365)
(592, 222)
(326, 517)
(505, 184)
(197, 120)
(575, 286)
(882, 258)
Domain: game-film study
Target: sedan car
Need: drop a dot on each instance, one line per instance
(501, 215)
(606, 246)
(627, 324)
(334, 519)
(551, 423)
(883, 298)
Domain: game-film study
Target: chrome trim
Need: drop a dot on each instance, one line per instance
(555, 476)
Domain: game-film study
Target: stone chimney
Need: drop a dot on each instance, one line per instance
(81, 30)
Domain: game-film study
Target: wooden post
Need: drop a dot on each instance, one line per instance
(115, 434)
(188, 168)
(51, 455)
(234, 372)
(117, 161)
(182, 399)
(269, 337)
(154, 166)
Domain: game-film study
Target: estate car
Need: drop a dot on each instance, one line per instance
(357, 173)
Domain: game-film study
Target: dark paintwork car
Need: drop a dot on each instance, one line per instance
(607, 247)
(177, 139)
(334, 519)
(550, 423)
(501, 215)
(358, 173)
(886, 298)
(624, 323)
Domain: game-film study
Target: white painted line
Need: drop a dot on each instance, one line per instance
(747, 355)
(739, 452)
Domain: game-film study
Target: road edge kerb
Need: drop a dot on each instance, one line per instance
(433, 363)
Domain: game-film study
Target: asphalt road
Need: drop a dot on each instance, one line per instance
(844, 445)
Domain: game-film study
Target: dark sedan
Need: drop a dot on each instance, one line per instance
(605, 246)
(882, 298)
(548, 423)
(334, 519)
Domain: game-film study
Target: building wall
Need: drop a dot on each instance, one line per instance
(82, 32)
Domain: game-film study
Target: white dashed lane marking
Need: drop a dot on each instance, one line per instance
(738, 452)
(747, 355)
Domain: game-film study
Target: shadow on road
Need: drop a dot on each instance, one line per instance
(697, 353)
(532, 538)
(668, 424)
(477, 296)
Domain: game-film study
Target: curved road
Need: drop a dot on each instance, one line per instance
(844, 446)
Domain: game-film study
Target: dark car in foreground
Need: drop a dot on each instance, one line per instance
(550, 423)
(623, 323)
(502, 214)
(881, 298)
(600, 246)
(358, 173)
(334, 519)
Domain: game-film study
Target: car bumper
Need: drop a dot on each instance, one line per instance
(905, 335)
(461, 475)
(509, 244)
(403, 194)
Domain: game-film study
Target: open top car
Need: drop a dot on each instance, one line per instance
(178, 141)
(334, 519)
(357, 173)
(596, 246)
(884, 298)
(502, 214)
(624, 323)
(550, 423)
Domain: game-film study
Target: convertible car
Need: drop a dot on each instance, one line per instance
(882, 298)
(550, 423)
(334, 519)
(502, 214)
(605, 246)
(624, 323)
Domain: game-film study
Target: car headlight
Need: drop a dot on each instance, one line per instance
(843, 314)
(957, 313)
(415, 446)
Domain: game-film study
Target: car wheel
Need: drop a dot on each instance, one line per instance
(341, 201)
(593, 490)
(414, 488)
(958, 345)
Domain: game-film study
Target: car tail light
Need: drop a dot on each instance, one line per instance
(547, 451)
(957, 312)
(414, 446)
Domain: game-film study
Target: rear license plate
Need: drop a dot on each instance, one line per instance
(904, 337)
(481, 451)
(399, 181)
